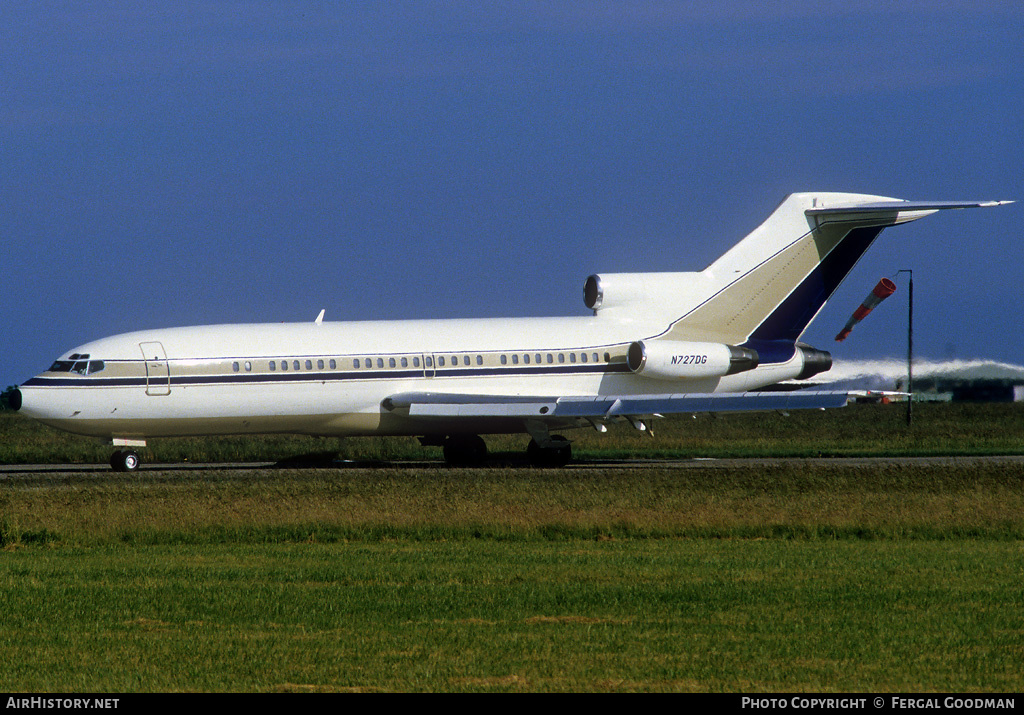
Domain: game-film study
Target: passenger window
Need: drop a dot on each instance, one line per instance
(284, 364)
(309, 364)
(455, 360)
(607, 357)
(295, 365)
(572, 357)
(551, 358)
(355, 363)
(391, 362)
(333, 364)
(415, 362)
(248, 366)
(526, 358)
(538, 358)
(234, 366)
(440, 361)
(479, 359)
(515, 359)
(380, 362)
(428, 361)
(273, 366)
(596, 359)
(405, 362)
(504, 360)
(583, 357)
(561, 357)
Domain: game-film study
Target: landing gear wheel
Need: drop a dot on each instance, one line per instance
(124, 461)
(557, 455)
(463, 450)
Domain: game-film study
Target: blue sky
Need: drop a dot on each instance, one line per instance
(210, 162)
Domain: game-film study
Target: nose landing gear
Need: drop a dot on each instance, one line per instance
(124, 460)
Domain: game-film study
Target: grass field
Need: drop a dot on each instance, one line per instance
(792, 576)
(678, 615)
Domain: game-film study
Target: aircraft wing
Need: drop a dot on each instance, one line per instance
(604, 407)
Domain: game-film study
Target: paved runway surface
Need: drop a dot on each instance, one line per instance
(13, 471)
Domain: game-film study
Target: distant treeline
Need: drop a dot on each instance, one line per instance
(5, 398)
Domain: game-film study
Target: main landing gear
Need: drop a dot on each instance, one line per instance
(557, 453)
(124, 460)
(464, 450)
(546, 449)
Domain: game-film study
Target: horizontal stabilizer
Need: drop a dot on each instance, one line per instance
(898, 206)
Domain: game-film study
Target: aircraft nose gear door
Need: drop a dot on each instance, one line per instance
(158, 373)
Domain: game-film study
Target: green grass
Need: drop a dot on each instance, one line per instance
(858, 430)
(766, 577)
(656, 615)
(885, 501)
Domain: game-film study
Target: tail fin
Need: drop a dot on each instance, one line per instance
(771, 285)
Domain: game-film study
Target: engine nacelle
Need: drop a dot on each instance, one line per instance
(677, 360)
(815, 361)
(627, 289)
(628, 292)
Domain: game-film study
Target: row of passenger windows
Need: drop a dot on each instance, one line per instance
(550, 358)
(370, 363)
(295, 365)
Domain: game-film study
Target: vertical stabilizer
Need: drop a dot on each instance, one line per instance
(770, 286)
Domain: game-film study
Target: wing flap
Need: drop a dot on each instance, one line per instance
(720, 402)
(440, 405)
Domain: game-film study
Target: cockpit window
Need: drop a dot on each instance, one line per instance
(81, 367)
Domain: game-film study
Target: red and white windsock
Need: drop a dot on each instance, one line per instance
(883, 290)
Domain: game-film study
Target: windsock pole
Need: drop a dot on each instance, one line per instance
(880, 292)
(910, 348)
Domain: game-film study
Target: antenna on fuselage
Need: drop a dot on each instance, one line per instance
(320, 318)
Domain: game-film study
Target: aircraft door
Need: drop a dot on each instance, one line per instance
(158, 372)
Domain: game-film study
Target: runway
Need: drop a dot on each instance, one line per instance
(12, 472)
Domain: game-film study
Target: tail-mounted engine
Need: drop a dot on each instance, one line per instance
(677, 360)
(815, 361)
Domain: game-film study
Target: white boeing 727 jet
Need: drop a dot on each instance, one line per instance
(656, 343)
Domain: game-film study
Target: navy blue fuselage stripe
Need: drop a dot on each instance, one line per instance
(793, 315)
(299, 376)
(775, 338)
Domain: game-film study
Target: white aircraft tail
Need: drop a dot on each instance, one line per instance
(766, 290)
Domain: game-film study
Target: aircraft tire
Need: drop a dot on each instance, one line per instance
(464, 450)
(557, 455)
(124, 461)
